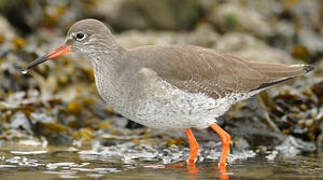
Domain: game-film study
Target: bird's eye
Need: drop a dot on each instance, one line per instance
(80, 36)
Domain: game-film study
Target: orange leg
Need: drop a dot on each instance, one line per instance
(225, 138)
(194, 146)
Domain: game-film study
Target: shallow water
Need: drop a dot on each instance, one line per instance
(30, 161)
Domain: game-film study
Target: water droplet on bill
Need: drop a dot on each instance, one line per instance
(24, 71)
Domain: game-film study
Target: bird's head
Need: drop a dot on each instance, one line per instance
(85, 36)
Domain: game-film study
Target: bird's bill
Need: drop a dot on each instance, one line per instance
(54, 53)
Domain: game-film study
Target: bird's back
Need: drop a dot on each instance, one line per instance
(200, 70)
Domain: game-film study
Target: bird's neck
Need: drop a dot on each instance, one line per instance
(107, 58)
(106, 71)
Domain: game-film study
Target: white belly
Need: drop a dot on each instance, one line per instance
(172, 108)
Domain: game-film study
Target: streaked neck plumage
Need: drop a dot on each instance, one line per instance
(104, 54)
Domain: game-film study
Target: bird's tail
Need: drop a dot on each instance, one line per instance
(278, 73)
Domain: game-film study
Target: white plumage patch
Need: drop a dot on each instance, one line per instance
(171, 108)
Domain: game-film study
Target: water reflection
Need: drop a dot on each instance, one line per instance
(221, 170)
(192, 170)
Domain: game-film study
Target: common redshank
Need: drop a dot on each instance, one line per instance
(170, 87)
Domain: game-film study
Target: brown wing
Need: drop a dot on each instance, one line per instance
(195, 69)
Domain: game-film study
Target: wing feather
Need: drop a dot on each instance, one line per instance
(200, 70)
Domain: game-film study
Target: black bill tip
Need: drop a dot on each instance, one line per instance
(35, 62)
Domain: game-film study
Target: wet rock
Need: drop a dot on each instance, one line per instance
(236, 17)
(15, 99)
(272, 155)
(41, 117)
(302, 13)
(241, 144)
(144, 14)
(203, 35)
(256, 133)
(284, 32)
(296, 114)
(307, 12)
(247, 46)
(19, 121)
(132, 39)
(292, 146)
(55, 133)
(312, 41)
